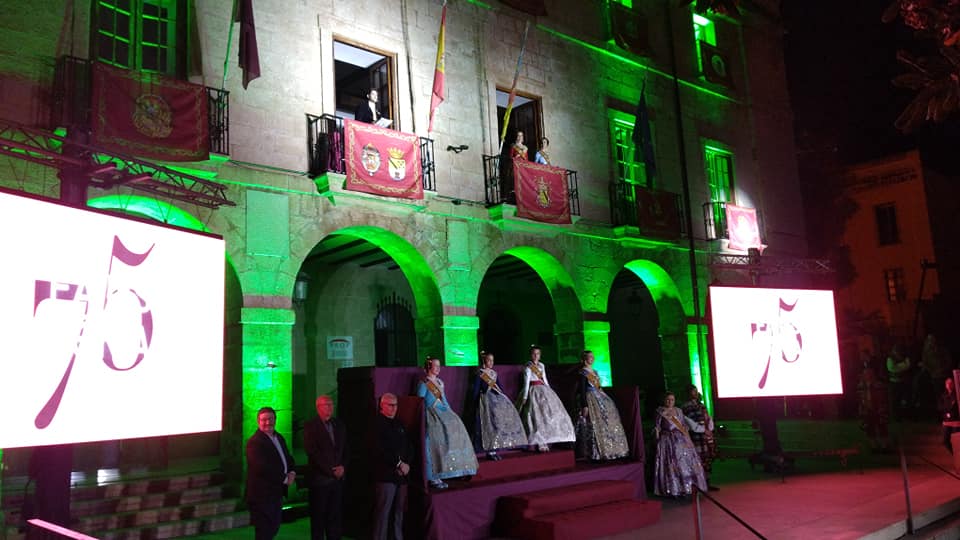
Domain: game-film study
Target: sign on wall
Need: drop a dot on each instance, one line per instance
(340, 348)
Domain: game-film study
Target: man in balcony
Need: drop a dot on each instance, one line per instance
(368, 111)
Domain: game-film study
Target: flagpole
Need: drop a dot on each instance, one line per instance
(226, 57)
(513, 87)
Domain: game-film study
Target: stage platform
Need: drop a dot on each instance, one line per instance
(467, 510)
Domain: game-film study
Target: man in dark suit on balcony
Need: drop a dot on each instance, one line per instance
(325, 442)
(368, 111)
(269, 474)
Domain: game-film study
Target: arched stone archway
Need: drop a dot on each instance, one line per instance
(351, 272)
(231, 436)
(510, 274)
(648, 337)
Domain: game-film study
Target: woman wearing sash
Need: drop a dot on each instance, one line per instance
(543, 415)
(677, 466)
(497, 423)
(447, 447)
(600, 434)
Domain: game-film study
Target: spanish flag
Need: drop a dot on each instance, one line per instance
(438, 73)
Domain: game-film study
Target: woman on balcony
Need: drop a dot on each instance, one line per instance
(447, 446)
(542, 413)
(497, 424)
(519, 150)
(600, 435)
(677, 467)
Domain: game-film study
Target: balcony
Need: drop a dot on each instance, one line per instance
(654, 212)
(498, 183)
(325, 150)
(715, 221)
(72, 94)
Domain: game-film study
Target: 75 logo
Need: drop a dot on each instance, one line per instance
(116, 298)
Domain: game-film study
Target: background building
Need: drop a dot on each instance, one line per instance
(319, 277)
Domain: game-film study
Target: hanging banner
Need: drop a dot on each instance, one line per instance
(149, 115)
(541, 192)
(657, 213)
(742, 229)
(382, 161)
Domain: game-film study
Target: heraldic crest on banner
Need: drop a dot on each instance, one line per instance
(541, 192)
(369, 147)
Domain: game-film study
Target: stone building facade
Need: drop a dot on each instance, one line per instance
(466, 274)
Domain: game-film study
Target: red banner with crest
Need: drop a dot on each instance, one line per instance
(382, 161)
(541, 192)
(742, 228)
(149, 115)
(657, 213)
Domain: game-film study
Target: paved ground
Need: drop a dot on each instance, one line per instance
(820, 499)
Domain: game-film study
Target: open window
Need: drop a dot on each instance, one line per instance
(359, 69)
(629, 29)
(712, 61)
(145, 35)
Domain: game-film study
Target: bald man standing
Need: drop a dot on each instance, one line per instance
(325, 442)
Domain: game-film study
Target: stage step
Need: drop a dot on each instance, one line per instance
(517, 464)
(160, 507)
(575, 512)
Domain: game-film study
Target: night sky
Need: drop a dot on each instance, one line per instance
(840, 61)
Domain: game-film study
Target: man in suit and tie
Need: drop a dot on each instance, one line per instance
(369, 110)
(269, 474)
(325, 442)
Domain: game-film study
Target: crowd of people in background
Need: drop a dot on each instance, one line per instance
(534, 421)
(909, 383)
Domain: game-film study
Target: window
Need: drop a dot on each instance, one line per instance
(394, 333)
(359, 69)
(711, 60)
(719, 170)
(628, 165)
(145, 35)
(719, 167)
(629, 28)
(896, 290)
(887, 231)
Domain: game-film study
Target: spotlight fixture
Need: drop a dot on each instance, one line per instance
(457, 149)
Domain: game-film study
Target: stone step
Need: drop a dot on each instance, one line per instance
(155, 516)
(177, 529)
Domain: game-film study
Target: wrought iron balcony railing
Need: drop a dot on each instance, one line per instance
(498, 183)
(325, 149)
(654, 212)
(72, 94)
(715, 220)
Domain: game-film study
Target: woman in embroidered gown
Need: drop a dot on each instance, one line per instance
(677, 466)
(447, 447)
(497, 423)
(543, 415)
(519, 150)
(701, 432)
(600, 434)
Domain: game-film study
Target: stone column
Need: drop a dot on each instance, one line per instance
(596, 338)
(460, 340)
(570, 339)
(267, 369)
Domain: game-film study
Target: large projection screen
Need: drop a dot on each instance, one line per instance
(110, 328)
(774, 342)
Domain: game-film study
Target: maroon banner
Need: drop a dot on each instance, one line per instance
(742, 229)
(382, 161)
(149, 115)
(657, 212)
(541, 192)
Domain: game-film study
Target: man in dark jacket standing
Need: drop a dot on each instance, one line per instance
(392, 454)
(325, 442)
(269, 474)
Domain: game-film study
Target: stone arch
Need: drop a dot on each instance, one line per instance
(649, 343)
(568, 327)
(232, 435)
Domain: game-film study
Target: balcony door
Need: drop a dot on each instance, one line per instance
(358, 69)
